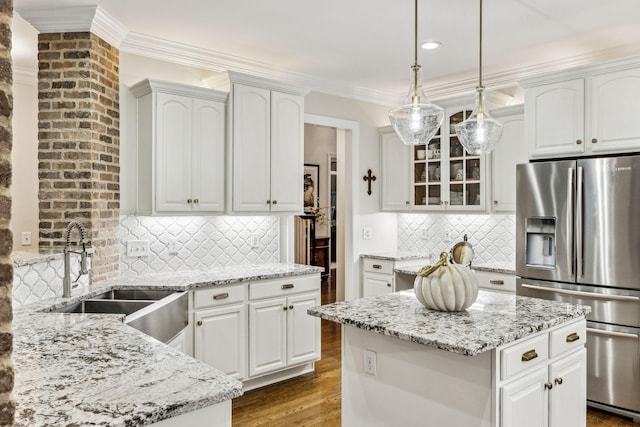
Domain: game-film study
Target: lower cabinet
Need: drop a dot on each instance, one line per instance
(180, 342)
(551, 394)
(248, 330)
(378, 275)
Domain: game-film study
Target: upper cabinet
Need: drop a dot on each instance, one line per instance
(587, 111)
(266, 145)
(510, 151)
(394, 156)
(181, 131)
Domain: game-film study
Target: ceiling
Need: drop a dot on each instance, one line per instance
(364, 48)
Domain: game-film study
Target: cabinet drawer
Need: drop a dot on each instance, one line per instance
(283, 286)
(496, 281)
(518, 357)
(568, 337)
(378, 266)
(219, 295)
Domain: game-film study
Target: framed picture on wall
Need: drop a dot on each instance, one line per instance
(311, 186)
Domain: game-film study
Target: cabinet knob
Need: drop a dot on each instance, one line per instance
(275, 202)
(441, 202)
(389, 284)
(189, 201)
(573, 337)
(594, 140)
(406, 203)
(446, 203)
(284, 308)
(268, 202)
(199, 323)
(196, 201)
(291, 307)
(548, 386)
(579, 141)
(558, 380)
(495, 202)
(529, 355)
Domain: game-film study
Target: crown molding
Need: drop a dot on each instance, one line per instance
(77, 19)
(25, 76)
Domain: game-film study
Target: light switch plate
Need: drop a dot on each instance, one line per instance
(137, 248)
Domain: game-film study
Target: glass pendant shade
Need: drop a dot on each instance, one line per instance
(480, 133)
(416, 120)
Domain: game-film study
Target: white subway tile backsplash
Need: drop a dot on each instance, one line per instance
(492, 236)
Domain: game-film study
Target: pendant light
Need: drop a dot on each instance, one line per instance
(480, 133)
(416, 120)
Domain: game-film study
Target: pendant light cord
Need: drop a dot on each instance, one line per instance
(480, 67)
(415, 36)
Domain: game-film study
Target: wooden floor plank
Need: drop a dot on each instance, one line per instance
(314, 399)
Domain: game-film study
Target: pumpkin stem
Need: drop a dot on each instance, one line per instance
(428, 269)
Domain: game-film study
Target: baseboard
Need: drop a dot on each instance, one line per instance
(277, 376)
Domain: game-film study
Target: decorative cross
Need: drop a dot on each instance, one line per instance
(368, 177)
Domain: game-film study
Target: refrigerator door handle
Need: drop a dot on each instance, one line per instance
(612, 333)
(578, 231)
(582, 293)
(569, 246)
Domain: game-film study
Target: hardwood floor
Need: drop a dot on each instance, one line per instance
(314, 399)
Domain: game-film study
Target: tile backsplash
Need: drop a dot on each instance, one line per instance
(202, 242)
(492, 236)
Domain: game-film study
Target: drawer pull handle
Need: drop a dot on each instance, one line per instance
(558, 380)
(199, 322)
(496, 282)
(548, 386)
(221, 296)
(529, 355)
(287, 286)
(377, 266)
(573, 337)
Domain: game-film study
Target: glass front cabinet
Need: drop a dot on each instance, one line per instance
(444, 176)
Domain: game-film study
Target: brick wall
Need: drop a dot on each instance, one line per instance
(7, 406)
(78, 152)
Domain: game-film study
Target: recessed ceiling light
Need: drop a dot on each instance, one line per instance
(430, 45)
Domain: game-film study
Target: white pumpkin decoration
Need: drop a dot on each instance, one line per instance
(446, 287)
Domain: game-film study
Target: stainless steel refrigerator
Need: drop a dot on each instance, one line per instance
(578, 241)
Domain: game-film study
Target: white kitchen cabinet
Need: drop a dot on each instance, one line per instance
(281, 334)
(266, 145)
(510, 151)
(552, 391)
(501, 282)
(180, 342)
(395, 179)
(374, 284)
(585, 111)
(379, 278)
(181, 137)
(220, 339)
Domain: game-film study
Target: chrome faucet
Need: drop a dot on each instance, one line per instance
(84, 254)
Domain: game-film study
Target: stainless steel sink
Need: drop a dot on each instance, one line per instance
(104, 306)
(160, 314)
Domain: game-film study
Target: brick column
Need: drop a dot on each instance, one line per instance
(7, 405)
(79, 138)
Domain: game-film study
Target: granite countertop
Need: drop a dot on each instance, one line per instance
(395, 255)
(493, 320)
(92, 369)
(21, 258)
(503, 268)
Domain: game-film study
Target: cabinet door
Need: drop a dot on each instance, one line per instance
(251, 153)
(267, 336)
(376, 284)
(208, 156)
(508, 153)
(554, 119)
(173, 153)
(287, 143)
(567, 399)
(179, 342)
(614, 103)
(524, 402)
(220, 339)
(303, 331)
(395, 172)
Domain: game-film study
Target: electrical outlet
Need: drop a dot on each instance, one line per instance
(446, 237)
(370, 362)
(25, 238)
(366, 233)
(254, 241)
(424, 233)
(173, 246)
(137, 248)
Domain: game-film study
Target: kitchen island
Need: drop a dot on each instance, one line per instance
(505, 361)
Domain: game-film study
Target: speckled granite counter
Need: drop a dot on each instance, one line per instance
(21, 258)
(492, 268)
(92, 369)
(395, 255)
(493, 320)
